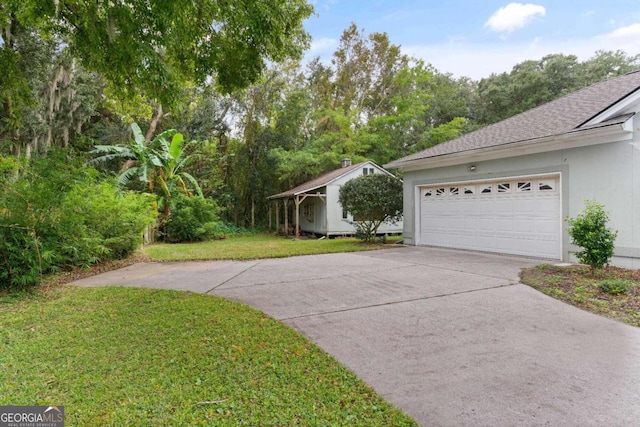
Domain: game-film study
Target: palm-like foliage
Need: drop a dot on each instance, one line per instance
(159, 163)
(142, 160)
(173, 158)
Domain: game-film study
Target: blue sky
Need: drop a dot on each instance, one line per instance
(476, 38)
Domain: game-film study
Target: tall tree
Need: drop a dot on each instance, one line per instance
(535, 82)
(364, 70)
(153, 48)
(607, 64)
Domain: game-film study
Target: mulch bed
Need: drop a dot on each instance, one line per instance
(577, 285)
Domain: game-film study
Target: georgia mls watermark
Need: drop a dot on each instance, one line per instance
(31, 416)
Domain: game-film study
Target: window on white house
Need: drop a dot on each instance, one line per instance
(440, 192)
(486, 189)
(428, 193)
(454, 191)
(345, 214)
(470, 189)
(368, 171)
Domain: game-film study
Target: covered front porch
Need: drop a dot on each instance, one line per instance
(286, 205)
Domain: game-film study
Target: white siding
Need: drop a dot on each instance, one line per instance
(336, 225)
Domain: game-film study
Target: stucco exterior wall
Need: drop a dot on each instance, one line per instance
(608, 173)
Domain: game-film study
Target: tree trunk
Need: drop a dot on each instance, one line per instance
(253, 213)
(154, 123)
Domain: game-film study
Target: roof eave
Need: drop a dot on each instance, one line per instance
(572, 139)
(291, 193)
(618, 107)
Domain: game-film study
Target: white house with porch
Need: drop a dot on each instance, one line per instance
(315, 205)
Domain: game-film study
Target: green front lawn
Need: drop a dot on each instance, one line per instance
(257, 247)
(600, 292)
(126, 356)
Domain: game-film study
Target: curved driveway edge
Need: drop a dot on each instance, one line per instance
(450, 337)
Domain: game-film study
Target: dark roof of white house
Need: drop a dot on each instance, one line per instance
(563, 115)
(318, 182)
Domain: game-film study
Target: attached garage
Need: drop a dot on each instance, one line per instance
(520, 215)
(508, 187)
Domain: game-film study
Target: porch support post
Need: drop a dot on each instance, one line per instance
(286, 217)
(297, 200)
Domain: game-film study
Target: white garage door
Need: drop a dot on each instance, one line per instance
(513, 216)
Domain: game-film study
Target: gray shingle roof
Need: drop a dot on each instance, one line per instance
(557, 117)
(321, 181)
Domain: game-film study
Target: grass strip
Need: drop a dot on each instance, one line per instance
(127, 356)
(258, 247)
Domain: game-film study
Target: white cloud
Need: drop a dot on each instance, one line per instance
(629, 33)
(326, 5)
(322, 48)
(480, 60)
(323, 44)
(476, 61)
(514, 16)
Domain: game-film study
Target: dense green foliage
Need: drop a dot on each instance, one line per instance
(157, 49)
(146, 55)
(372, 200)
(193, 219)
(534, 82)
(590, 231)
(56, 214)
(158, 163)
(145, 357)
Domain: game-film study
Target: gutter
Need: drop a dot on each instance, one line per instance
(572, 139)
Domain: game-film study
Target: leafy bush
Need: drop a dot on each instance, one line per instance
(115, 218)
(372, 200)
(589, 231)
(192, 219)
(615, 286)
(19, 260)
(57, 214)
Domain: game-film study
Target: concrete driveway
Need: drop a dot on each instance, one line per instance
(448, 336)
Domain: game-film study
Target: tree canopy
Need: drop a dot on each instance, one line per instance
(158, 46)
(534, 82)
(154, 49)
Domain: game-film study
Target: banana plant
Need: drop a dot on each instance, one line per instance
(173, 158)
(159, 164)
